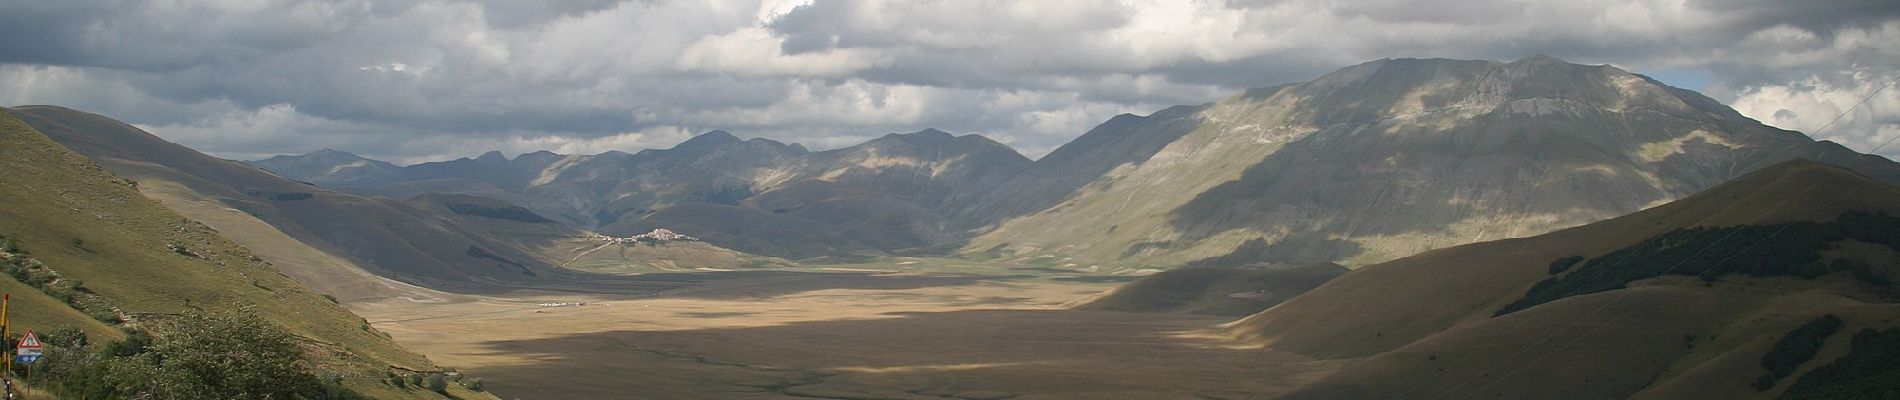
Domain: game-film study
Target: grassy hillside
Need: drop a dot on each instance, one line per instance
(146, 263)
(383, 236)
(1630, 312)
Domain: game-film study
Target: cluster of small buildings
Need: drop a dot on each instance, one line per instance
(657, 235)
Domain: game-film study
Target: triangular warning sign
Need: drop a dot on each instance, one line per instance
(31, 341)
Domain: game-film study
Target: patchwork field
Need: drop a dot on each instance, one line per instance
(899, 329)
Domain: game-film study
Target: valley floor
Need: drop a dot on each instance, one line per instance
(848, 333)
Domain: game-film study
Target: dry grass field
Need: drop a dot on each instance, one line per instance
(838, 335)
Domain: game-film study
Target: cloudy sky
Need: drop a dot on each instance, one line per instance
(418, 80)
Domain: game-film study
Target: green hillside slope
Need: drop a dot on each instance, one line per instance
(143, 263)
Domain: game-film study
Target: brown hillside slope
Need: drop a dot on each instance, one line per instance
(1424, 326)
(147, 262)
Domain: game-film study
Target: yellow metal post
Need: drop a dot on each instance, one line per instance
(5, 299)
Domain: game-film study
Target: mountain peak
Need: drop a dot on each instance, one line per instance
(1540, 59)
(714, 136)
(492, 156)
(329, 151)
(709, 140)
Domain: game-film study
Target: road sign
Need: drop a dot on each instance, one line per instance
(31, 341)
(29, 349)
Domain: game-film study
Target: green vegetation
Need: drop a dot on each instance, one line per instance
(1564, 264)
(511, 213)
(73, 292)
(236, 355)
(91, 237)
(1795, 348)
(1791, 249)
(439, 383)
(1870, 370)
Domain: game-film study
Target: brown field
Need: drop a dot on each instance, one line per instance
(837, 335)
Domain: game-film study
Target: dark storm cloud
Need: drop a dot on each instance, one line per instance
(413, 80)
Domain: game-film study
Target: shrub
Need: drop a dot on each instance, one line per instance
(234, 355)
(67, 337)
(1795, 348)
(1870, 370)
(474, 384)
(438, 383)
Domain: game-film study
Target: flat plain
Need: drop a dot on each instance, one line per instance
(898, 329)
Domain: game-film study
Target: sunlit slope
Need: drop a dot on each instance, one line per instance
(146, 261)
(1384, 160)
(1443, 322)
(382, 236)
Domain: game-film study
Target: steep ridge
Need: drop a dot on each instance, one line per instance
(386, 237)
(1695, 294)
(331, 167)
(1383, 160)
(140, 262)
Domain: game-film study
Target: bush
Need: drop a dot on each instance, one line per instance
(1870, 370)
(1795, 348)
(66, 337)
(233, 355)
(438, 383)
(474, 384)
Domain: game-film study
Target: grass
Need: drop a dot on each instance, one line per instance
(53, 199)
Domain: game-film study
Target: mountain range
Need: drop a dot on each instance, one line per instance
(1423, 228)
(1363, 165)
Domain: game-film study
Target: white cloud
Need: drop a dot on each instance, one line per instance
(757, 51)
(425, 79)
(1814, 103)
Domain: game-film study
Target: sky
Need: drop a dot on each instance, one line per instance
(420, 80)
